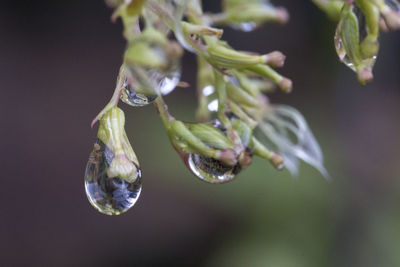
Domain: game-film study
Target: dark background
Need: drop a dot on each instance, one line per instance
(58, 64)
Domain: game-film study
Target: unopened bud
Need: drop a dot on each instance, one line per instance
(227, 156)
(365, 76)
(277, 161)
(275, 59)
(122, 166)
(286, 85)
(282, 16)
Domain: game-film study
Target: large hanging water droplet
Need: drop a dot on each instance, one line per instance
(109, 195)
(349, 55)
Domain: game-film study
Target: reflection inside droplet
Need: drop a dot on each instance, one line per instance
(212, 170)
(109, 195)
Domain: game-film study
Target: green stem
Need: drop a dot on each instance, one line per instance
(162, 110)
(115, 97)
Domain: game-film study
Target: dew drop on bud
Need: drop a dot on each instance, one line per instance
(135, 99)
(147, 84)
(211, 170)
(109, 195)
(351, 55)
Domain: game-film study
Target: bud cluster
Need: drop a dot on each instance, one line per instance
(235, 120)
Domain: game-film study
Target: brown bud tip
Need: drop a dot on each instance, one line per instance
(277, 161)
(286, 85)
(392, 20)
(365, 76)
(245, 160)
(219, 33)
(183, 84)
(228, 156)
(282, 16)
(276, 59)
(174, 50)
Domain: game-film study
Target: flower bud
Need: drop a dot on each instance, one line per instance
(248, 15)
(239, 96)
(222, 56)
(112, 134)
(265, 71)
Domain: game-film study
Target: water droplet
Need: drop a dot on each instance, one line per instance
(346, 56)
(147, 84)
(135, 99)
(109, 195)
(151, 68)
(211, 170)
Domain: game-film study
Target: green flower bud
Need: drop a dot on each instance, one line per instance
(112, 133)
(260, 150)
(284, 83)
(256, 13)
(222, 56)
(195, 142)
(240, 96)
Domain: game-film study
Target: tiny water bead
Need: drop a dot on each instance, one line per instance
(109, 195)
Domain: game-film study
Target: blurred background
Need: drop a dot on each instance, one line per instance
(58, 64)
